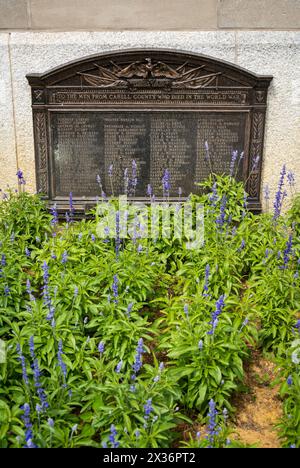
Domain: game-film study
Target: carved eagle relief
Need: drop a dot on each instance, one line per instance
(135, 74)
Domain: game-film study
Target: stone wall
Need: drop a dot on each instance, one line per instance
(149, 14)
(268, 50)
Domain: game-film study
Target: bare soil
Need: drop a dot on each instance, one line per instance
(259, 410)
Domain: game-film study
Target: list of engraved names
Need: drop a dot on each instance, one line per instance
(88, 143)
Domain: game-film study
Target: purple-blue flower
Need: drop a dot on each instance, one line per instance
(23, 363)
(255, 164)
(138, 356)
(117, 234)
(29, 291)
(287, 251)
(115, 288)
(101, 347)
(166, 183)
(28, 426)
(119, 367)
(54, 213)
(64, 257)
(291, 178)
(212, 424)
(148, 408)
(266, 192)
(206, 282)
(221, 218)
(242, 246)
(129, 308)
(214, 318)
(61, 363)
(36, 376)
(112, 437)
(232, 162)
(134, 176)
(213, 197)
(21, 180)
(280, 194)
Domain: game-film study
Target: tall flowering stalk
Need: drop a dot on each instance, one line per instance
(166, 183)
(287, 251)
(232, 162)
(212, 423)
(28, 426)
(280, 194)
(214, 318)
(99, 182)
(21, 180)
(245, 205)
(112, 437)
(221, 218)
(138, 358)
(207, 157)
(101, 347)
(61, 363)
(115, 289)
(23, 363)
(134, 177)
(36, 376)
(117, 234)
(70, 214)
(148, 408)
(213, 197)
(206, 282)
(239, 162)
(126, 181)
(266, 191)
(110, 175)
(291, 179)
(46, 294)
(54, 213)
(149, 191)
(29, 291)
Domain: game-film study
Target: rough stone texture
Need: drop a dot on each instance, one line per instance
(274, 53)
(8, 166)
(13, 14)
(254, 14)
(278, 54)
(124, 14)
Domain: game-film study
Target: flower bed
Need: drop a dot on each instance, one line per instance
(115, 343)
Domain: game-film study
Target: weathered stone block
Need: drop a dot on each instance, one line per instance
(129, 14)
(13, 14)
(263, 14)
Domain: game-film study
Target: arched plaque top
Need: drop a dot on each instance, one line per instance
(152, 67)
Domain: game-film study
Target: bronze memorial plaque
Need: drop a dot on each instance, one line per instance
(156, 107)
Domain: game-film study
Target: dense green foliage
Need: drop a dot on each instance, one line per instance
(73, 312)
